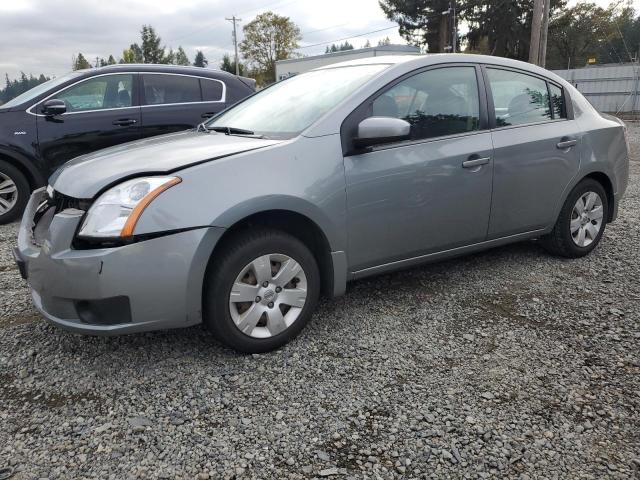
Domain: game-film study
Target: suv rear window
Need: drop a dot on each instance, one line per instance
(211, 90)
(167, 89)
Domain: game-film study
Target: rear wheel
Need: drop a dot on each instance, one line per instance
(260, 291)
(581, 223)
(14, 192)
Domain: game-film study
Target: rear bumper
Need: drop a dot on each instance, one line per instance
(149, 285)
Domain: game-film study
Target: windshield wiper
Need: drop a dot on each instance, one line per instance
(231, 130)
(228, 131)
(202, 128)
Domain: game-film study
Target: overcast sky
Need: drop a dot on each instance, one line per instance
(40, 36)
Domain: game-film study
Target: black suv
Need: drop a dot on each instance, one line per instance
(92, 109)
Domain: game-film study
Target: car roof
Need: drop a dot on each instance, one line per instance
(159, 68)
(417, 61)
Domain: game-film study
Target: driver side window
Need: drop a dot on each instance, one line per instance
(98, 93)
(436, 103)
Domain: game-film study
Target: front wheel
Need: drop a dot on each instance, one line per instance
(14, 192)
(260, 291)
(581, 223)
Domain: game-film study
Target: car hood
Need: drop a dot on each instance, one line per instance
(85, 176)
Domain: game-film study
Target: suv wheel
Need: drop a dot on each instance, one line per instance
(581, 223)
(14, 192)
(260, 291)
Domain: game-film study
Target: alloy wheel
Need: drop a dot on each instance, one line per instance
(586, 219)
(8, 194)
(268, 295)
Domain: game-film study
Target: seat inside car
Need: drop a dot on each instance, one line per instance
(124, 98)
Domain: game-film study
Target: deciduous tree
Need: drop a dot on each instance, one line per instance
(269, 38)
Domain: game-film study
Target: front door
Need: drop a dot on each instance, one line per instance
(536, 151)
(101, 112)
(432, 192)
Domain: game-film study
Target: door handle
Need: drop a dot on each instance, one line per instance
(125, 122)
(567, 143)
(476, 162)
(208, 115)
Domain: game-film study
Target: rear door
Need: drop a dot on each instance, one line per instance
(102, 111)
(175, 102)
(536, 150)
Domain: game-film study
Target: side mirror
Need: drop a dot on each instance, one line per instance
(378, 130)
(54, 107)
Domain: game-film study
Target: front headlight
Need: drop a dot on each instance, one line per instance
(116, 212)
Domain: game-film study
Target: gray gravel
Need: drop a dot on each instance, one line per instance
(509, 363)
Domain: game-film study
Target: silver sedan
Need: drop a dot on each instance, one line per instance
(343, 172)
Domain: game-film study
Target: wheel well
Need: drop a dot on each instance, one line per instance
(33, 183)
(604, 180)
(296, 225)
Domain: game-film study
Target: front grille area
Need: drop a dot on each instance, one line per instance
(61, 202)
(53, 204)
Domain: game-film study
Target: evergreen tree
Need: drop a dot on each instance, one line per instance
(504, 28)
(137, 54)
(13, 88)
(152, 52)
(181, 57)
(111, 60)
(384, 42)
(80, 63)
(341, 47)
(200, 60)
(169, 58)
(229, 65)
(420, 22)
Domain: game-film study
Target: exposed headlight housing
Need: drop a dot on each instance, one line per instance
(115, 213)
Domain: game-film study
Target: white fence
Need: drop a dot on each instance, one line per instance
(609, 88)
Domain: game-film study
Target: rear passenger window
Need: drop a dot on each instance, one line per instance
(211, 90)
(436, 103)
(557, 102)
(166, 89)
(518, 98)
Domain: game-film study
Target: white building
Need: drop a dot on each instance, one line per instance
(294, 66)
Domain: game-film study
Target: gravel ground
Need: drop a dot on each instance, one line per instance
(509, 363)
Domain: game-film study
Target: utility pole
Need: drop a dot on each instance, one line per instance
(448, 26)
(536, 27)
(545, 34)
(235, 40)
(454, 28)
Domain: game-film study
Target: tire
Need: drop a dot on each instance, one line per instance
(15, 193)
(248, 261)
(564, 239)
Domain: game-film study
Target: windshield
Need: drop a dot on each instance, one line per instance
(40, 89)
(287, 108)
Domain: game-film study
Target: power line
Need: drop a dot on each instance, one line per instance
(323, 29)
(347, 38)
(279, 3)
